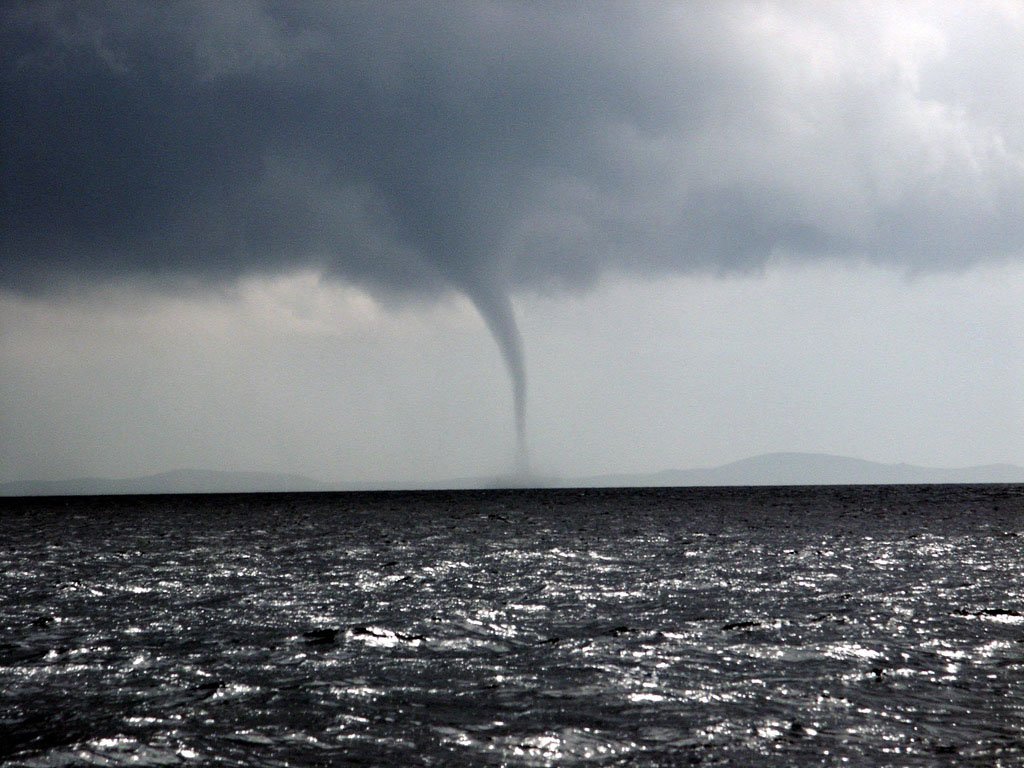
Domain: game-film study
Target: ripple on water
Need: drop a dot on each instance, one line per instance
(739, 626)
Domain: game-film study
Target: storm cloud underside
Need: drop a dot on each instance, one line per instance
(487, 148)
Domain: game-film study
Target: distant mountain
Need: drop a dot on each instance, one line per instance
(812, 469)
(768, 469)
(180, 481)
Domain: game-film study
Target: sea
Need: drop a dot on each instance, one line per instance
(774, 626)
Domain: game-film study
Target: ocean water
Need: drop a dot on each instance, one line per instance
(749, 627)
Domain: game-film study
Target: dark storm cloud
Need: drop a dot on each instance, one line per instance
(418, 146)
(390, 144)
(487, 146)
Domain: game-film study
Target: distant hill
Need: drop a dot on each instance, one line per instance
(812, 469)
(180, 481)
(768, 469)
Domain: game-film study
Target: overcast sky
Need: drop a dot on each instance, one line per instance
(374, 241)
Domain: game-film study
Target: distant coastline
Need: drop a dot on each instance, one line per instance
(179, 481)
(816, 469)
(766, 469)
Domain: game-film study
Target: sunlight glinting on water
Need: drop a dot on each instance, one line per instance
(486, 629)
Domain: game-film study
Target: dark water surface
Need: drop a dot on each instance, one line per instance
(767, 627)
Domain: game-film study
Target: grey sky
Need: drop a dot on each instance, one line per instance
(498, 150)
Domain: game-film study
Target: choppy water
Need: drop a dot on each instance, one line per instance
(799, 626)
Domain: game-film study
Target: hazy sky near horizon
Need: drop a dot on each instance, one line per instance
(355, 240)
